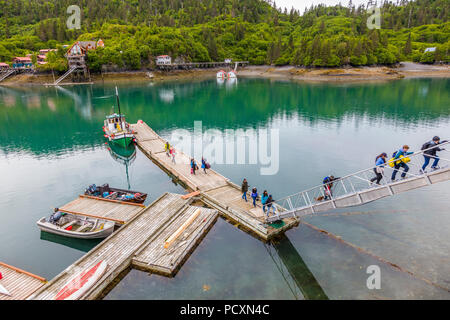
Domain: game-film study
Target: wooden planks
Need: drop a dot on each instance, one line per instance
(119, 212)
(151, 224)
(20, 283)
(213, 187)
(154, 257)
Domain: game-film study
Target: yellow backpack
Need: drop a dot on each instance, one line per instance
(400, 159)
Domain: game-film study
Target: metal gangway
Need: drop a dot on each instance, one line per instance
(72, 69)
(7, 74)
(357, 189)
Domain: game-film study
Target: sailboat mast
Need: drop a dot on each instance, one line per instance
(118, 102)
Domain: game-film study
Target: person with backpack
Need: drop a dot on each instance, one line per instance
(431, 148)
(328, 184)
(264, 198)
(402, 153)
(270, 205)
(204, 165)
(167, 148)
(379, 167)
(244, 189)
(254, 196)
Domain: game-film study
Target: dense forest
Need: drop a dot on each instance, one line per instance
(136, 31)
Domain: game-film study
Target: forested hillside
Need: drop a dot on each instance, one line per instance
(135, 31)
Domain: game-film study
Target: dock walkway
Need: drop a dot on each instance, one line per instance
(215, 190)
(141, 238)
(118, 211)
(20, 283)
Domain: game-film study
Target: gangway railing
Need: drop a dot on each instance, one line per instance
(72, 69)
(358, 188)
(7, 74)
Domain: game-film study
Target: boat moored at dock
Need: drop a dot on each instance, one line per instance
(76, 226)
(106, 192)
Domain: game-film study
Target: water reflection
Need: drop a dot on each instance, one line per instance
(124, 156)
(79, 244)
(294, 270)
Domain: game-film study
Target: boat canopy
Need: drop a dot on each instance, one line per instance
(115, 116)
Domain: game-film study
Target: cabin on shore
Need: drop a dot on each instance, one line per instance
(77, 58)
(163, 60)
(3, 66)
(22, 62)
(76, 54)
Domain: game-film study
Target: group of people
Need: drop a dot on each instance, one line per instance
(170, 151)
(266, 198)
(400, 160)
(205, 165)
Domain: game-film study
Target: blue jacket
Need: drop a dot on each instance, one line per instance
(380, 162)
(402, 153)
(264, 199)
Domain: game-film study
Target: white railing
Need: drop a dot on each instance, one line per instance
(352, 184)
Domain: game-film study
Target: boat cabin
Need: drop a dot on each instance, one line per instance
(116, 123)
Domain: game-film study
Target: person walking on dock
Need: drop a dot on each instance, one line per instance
(204, 165)
(254, 196)
(270, 205)
(400, 154)
(193, 166)
(264, 198)
(167, 148)
(379, 167)
(172, 153)
(431, 148)
(244, 189)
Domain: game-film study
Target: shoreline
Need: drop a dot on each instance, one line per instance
(339, 75)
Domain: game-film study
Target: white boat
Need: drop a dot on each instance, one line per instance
(221, 74)
(231, 75)
(76, 226)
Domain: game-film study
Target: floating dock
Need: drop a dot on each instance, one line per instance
(118, 211)
(214, 189)
(141, 243)
(20, 283)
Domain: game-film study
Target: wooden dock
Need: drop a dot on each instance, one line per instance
(215, 190)
(200, 65)
(118, 211)
(20, 283)
(140, 242)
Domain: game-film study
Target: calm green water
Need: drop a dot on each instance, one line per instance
(51, 148)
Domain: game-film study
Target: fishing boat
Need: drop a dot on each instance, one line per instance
(116, 129)
(221, 74)
(106, 192)
(79, 284)
(76, 226)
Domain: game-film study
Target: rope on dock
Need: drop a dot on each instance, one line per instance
(359, 249)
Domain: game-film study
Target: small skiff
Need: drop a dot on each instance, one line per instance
(107, 192)
(76, 226)
(79, 284)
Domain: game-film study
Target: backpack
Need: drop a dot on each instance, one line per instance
(426, 145)
(326, 180)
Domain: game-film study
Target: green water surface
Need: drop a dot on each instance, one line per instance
(52, 147)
